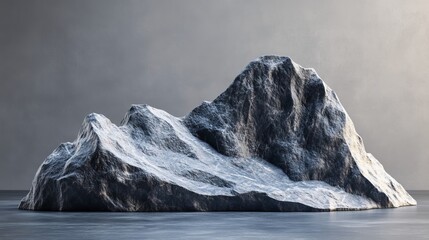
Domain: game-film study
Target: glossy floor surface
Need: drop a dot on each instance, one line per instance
(399, 223)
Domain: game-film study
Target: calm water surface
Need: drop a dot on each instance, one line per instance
(399, 223)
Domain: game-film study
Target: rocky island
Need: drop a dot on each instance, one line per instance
(278, 139)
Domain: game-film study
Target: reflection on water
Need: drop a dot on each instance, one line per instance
(399, 223)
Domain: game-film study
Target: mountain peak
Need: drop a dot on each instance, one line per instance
(277, 81)
(273, 61)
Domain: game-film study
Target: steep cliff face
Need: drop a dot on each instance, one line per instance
(277, 139)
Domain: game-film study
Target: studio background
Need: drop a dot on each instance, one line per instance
(61, 60)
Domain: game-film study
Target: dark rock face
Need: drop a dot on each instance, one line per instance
(277, 139)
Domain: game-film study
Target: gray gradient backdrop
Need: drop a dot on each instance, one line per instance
(60, 60)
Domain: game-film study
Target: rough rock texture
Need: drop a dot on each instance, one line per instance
(277, 139)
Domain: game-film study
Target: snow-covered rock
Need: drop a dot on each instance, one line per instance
(278, 139)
